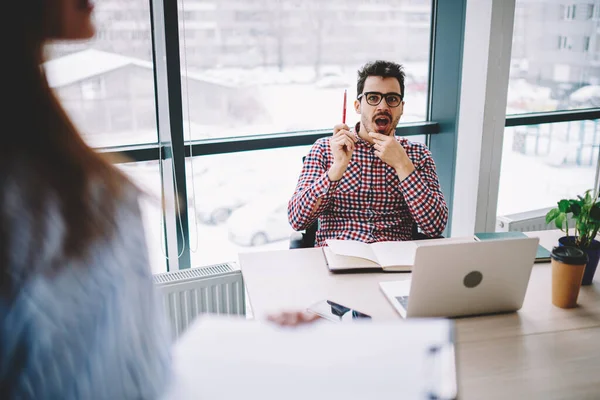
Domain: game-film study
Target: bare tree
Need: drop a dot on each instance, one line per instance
(270, 35)
(279, 33)
(317, 14)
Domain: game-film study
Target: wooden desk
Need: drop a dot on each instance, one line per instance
(539, 352)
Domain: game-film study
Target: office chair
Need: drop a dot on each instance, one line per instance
(306, 239)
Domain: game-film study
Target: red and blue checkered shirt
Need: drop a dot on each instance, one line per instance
(369, 203)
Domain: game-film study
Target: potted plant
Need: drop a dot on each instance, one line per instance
(585, 213)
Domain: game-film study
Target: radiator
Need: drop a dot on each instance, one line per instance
(214, 289)
(534, 220)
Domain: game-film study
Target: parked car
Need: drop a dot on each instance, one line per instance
(216, 195)
(585, 97)
(224, 189)
(214, 206)
(562, 91)
(524, 96)
(260, 222)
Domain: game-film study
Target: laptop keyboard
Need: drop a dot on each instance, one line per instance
(403, 300)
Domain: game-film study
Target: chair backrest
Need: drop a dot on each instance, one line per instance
(309, 237)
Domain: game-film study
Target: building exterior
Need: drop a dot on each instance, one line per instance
(111, 98)
(556, 50)
(251, 33)
(556, 43)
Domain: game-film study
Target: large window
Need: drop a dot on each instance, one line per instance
(274, 67)
(146, 176)
(555, 57)
(238, 202)
(555, 65)
(107, 84)
(107, 87)
(544, 163)
(282, 66)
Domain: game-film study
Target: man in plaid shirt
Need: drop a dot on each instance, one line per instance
(365, 183)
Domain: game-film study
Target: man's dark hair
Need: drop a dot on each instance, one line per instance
(386, 69)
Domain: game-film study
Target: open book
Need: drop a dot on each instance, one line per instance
(397, 256)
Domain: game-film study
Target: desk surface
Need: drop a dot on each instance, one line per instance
(539, 352)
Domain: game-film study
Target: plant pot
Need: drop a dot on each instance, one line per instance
(593, 253)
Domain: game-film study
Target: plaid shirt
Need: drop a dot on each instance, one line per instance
(369, 203)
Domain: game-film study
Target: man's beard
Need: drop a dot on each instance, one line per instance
(371, 126)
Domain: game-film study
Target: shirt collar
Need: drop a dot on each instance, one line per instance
(358, 138)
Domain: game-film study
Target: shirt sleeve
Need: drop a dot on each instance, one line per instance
(313, 185)
(424, 197)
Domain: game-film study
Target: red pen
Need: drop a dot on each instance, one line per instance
(344, 113)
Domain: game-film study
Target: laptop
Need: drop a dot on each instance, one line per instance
(460, 279)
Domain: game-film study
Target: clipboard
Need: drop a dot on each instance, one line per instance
(226, 357)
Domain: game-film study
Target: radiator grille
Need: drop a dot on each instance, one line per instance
(214, 289)
(193, 273)
(534, 220)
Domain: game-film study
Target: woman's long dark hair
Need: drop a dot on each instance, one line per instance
(38, 137)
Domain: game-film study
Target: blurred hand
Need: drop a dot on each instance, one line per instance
(342, 146)
(391, 152)
(293, 318)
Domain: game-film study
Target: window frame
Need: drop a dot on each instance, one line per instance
(587, 40)
(564, 43)
(569, 12)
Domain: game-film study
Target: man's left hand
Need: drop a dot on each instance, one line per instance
(293, 318)
(391, 152)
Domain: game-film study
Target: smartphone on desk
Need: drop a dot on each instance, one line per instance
(336, 312)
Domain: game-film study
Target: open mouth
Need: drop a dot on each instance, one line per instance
(382, 123)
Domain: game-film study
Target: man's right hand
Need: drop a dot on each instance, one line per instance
(342, 146)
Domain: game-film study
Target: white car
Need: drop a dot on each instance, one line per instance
(215, 207)
(586, 97)
(260, 222)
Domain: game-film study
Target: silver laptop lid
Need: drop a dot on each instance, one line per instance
(459, 279)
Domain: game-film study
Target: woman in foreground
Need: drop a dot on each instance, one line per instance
(78, 313)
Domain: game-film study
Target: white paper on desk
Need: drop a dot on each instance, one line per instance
(226, 358)
(352, 248)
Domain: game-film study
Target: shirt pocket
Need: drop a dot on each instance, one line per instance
(394, 197)
(351, 180)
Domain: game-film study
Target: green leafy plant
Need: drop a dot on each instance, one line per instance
(585, 212)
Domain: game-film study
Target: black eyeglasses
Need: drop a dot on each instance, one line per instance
(374, 98)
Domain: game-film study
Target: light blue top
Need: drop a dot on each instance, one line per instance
(91, 331)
